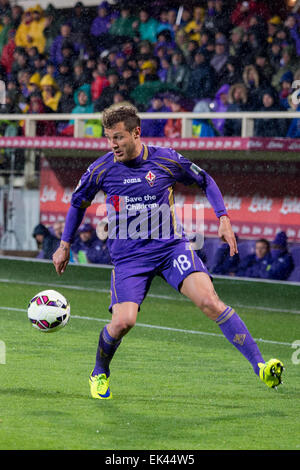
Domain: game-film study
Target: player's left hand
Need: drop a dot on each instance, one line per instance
(226, 234)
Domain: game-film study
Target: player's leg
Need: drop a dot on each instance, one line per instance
(123, 319)
(128, 290)
(185, 271)
(199, 289)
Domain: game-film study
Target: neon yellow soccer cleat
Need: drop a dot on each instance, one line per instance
(270, 372)
(99, 386)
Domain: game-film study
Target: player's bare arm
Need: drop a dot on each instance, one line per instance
(227, 235)
(61, 257)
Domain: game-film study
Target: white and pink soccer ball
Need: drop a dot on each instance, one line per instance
(48, 311)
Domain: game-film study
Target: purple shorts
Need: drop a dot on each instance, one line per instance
(131, 281)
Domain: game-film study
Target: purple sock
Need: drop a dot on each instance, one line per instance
(235, 330)
(106, 349)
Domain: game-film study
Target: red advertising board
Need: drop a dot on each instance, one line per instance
(253, 215)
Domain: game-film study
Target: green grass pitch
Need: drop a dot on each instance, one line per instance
(177, 383)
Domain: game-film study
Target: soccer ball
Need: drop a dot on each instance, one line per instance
(48, 311)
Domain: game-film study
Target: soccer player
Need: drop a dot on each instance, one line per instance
(139, 180)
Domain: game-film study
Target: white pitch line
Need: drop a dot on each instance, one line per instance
(158, 327)
(179, 298)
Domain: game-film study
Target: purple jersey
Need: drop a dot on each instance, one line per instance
(140, 199)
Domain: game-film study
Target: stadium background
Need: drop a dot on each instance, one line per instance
(43, 378)
(258, 174)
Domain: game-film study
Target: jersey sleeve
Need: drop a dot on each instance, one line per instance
(86, 190)
(188, 173)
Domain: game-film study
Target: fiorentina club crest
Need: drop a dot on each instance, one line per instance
(150, 177)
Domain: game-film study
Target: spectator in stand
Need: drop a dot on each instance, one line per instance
(106, 97)
(293, 29)
(80, 23)
(172, 128)
(16, 15)
(50, 92)
(281, 264)
(100, 80)
(129, 79)
(270, 127)
(179, 72)
(202, 77)
(68, 54)
(263, 67)
(238, 47)
(163, 69)
(252, 83)
(220, 57)
(37, 106)
(65, 36)
(34, 85)
(46, 242)
(155, 127)
(286, 89)
(65, 74)
(274, 54)
(273, 26)
(237, 102)
(88, 248)
(83, 100)
(66, 102)
(40, 64)
(145, 27)
(256, 264)
(294, 127)
(221, 21)
(100, 26)
(220, 105)
(121, 29)
(30, 32)
(232, 74)
(203, 127)
(80, 74)
(53, 23)
(223, 263)
(8, 54)
(22, 38)
(5, 7)
(7, 25)
(24, 82)
(37, 27)
(245, 10)
(188, 48)
(288, 63)
(194, 27)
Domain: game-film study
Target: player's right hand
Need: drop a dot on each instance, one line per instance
(61, 257)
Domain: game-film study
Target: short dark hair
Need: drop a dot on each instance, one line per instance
(124, 113)
(266, 242)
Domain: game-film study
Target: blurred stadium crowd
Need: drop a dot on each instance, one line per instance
(161, 59)
(256, 259)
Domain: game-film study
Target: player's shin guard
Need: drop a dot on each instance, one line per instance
(235, 330)
(106, 349)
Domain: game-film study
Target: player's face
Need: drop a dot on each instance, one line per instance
(126, 145)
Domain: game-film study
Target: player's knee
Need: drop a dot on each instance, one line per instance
(211, 306)
(123, 325)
